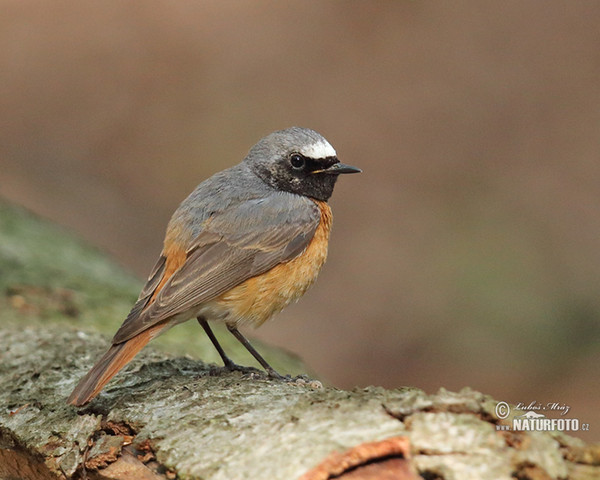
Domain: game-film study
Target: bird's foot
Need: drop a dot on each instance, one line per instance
(275, 375)
(234, 367)
(216, 370)
(271, 373)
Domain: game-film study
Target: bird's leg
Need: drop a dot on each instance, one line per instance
(229, 364)
(270, 370)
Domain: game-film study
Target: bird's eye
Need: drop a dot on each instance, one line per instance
(297, 161)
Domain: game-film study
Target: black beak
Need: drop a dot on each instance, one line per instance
(338, 168)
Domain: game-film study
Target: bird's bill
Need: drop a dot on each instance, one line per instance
(338, 168)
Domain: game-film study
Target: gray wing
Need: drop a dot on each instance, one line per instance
(239, 243)
(146, 293)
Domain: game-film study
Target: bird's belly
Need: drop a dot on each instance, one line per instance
(255, 300)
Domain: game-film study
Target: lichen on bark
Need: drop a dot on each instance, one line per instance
(167, 416)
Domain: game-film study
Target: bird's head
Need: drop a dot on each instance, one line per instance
(298, 160)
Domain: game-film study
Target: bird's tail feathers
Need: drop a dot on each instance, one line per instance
(108, 366)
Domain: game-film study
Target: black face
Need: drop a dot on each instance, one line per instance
(306, 176)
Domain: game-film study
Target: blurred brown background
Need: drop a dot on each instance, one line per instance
(466, 254)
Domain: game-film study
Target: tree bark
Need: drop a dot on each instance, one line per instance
(176, 417)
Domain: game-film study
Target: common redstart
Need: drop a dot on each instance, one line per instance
(244, 244)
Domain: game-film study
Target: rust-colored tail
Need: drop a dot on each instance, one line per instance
(109, 365)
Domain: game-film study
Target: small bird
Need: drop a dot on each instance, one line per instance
(244, 244)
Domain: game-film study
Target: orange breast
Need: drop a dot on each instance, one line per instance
(258, 298)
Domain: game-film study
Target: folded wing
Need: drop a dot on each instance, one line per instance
(234, 245)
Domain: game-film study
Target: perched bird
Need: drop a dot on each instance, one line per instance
(244, 244)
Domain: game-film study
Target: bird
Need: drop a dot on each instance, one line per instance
(243, 245)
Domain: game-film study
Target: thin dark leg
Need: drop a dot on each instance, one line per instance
(270, 370)
(226, 360)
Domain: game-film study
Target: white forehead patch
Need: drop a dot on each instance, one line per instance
(318, 150)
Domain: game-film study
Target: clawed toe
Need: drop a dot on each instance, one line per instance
(234, 367)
